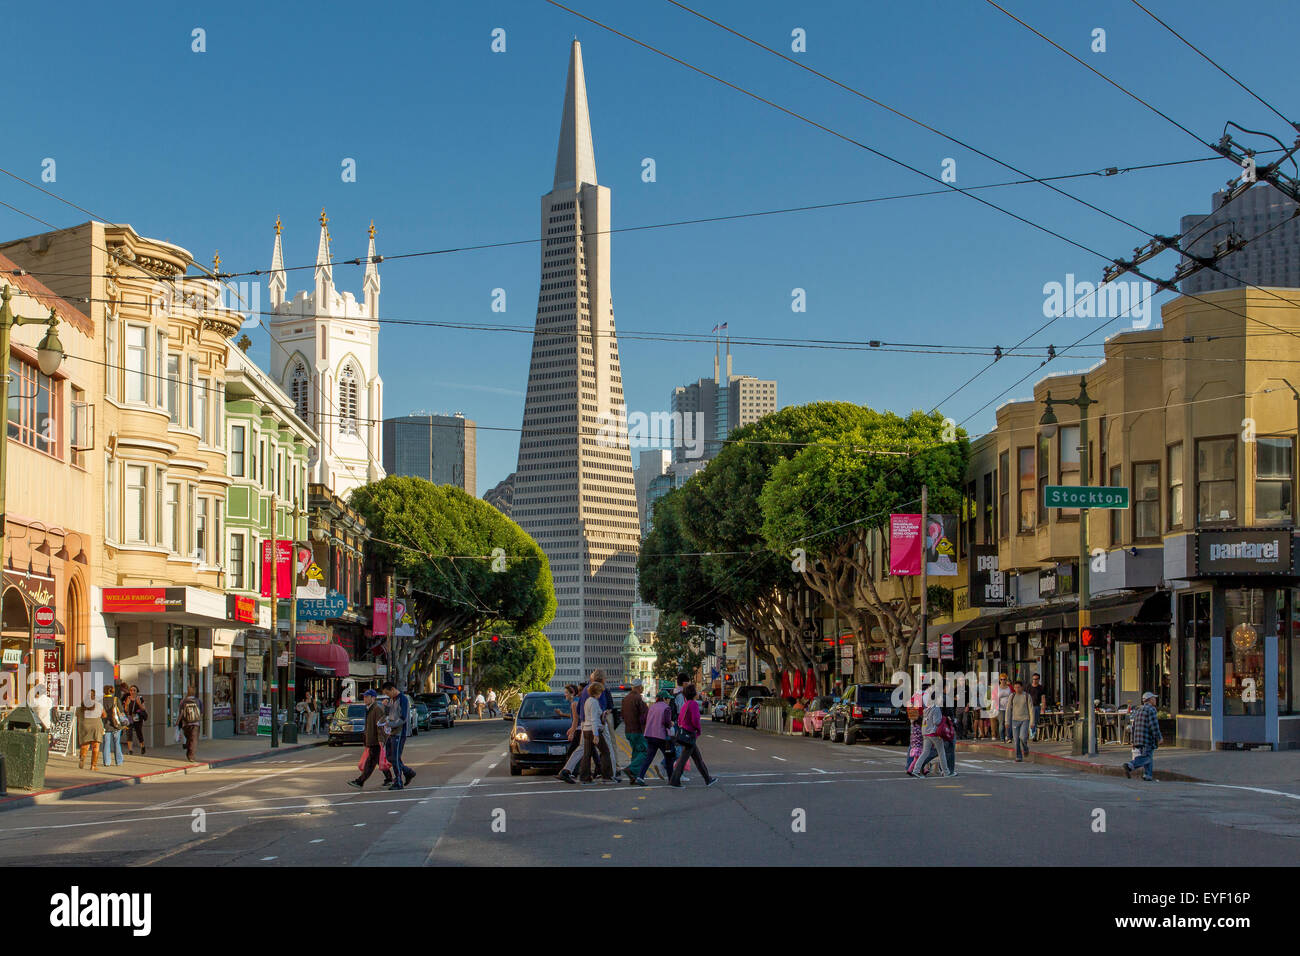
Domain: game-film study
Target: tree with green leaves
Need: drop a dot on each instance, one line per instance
(514, 665)
(470, 568)
(833, 499)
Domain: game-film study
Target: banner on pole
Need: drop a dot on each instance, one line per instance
(904, 544)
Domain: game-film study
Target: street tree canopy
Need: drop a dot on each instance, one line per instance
(514, 665)
(443, 541)
(828, 499)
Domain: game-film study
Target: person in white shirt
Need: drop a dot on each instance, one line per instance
(492, 703)
(479, 702)
(42, 704)
(593, 740)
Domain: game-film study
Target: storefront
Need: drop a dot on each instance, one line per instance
(33, 638)
(165, 647)
(1237, 643)
(237, 693)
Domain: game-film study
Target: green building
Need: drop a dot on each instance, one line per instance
(268, 450)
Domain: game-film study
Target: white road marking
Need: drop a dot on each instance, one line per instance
(392, 812)
(747, 747)
(313, 841)
(491, 766)
(355, 824)
(723, 739)
(267, 859)
(774, 756)
(1264, 790)
(229, 786)
(815, 769)
(472, 783)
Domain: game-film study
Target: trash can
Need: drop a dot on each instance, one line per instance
(25, 748)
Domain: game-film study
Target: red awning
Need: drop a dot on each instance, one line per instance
(327, 655)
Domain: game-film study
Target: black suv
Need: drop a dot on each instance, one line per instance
(866, 710)
(439, 712)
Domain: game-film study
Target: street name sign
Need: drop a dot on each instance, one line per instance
(1087, 496)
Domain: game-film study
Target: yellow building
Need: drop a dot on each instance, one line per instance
(50, 552)
(1194, 586)
(157, 460)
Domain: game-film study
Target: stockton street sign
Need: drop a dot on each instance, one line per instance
(1088, 496)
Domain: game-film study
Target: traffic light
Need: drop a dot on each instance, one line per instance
(496, 638)
(1089, 637)
(710, 646)
(685, 629)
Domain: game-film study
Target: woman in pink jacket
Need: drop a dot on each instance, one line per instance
(688, 732)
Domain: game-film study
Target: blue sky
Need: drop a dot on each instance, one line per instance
(455, 144)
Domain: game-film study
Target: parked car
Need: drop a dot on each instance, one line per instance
(421, 716)
(737, 702)
(439, 705)
(749, 717)
(815, 715)
(538, 735)
(348, 725)
(719, 711)
(866, 711)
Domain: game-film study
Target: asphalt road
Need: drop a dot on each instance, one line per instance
(778, 801)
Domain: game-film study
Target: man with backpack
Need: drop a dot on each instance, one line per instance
(114, 723)
(190, 721)
(934, 728)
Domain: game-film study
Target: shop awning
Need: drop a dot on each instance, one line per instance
(326, 655)
(935, 631)
(305, 665)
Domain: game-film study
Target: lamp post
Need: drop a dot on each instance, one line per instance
(49, 355)
(1049, 425)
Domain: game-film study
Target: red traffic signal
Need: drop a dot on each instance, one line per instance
(686, 623)
(496, 638)
(1089, 636)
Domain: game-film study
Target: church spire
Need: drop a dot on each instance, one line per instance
(575, 158)
(276, 284)
(371, 283)
(324, 266)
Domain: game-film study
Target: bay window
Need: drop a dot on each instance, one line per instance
(137, 361)
(1273, 476)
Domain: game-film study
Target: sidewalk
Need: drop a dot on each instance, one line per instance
(1253, 768)
(64, 780)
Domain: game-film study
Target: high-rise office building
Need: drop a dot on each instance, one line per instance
(710, 409)
(438, 448)
(502, 495)
(573, 486)
(1270, 260)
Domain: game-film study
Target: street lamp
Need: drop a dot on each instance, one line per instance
(1048, 423)
(49, 355)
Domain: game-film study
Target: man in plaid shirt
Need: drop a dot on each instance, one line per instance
(1146, 738)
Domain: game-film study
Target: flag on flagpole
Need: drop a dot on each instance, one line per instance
(715, 330)
(722, 327)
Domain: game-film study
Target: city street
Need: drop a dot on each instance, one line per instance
(778, 801)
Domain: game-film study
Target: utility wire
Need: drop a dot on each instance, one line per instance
(1201, 53)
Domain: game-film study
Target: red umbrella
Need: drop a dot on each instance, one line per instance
(785, 683)
(810, 685)
(796, 685)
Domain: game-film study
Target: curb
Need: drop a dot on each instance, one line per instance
(1074, 763)
(41, 797)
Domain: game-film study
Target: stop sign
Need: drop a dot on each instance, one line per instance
(45, 616)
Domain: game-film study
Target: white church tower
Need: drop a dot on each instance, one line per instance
(327, 361)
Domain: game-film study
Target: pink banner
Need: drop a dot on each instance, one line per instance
(904, 544)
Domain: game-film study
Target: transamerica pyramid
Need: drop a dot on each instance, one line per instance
(573, 487)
